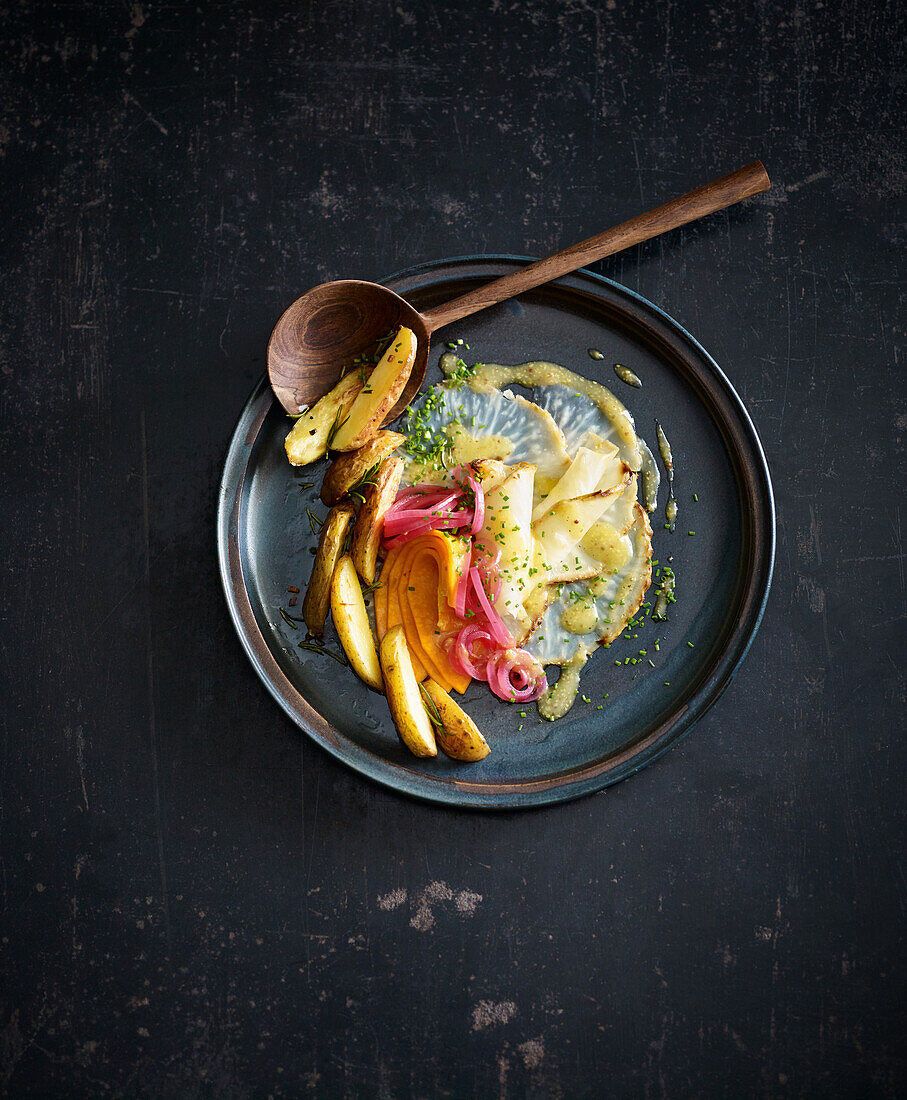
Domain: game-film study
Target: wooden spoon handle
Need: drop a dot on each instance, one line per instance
(718, 194)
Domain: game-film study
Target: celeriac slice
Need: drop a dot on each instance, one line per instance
(581, 477)
(557, 553)
(508, 529)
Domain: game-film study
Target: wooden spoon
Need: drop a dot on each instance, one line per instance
(330, 324)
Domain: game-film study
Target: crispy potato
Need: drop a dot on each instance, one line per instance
(459, 736)
(349, 468)
(403, 695)
(351, 621)
(380, 393)
(308, 439)
(330, 547)
(369, 525)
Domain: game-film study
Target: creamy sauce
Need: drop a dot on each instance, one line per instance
(469, 448)
(664, 449)
(671, 512)
(606, 544)
(580, 617)
(649, 478)
(556, 702)
(626, 375)
(541, 373)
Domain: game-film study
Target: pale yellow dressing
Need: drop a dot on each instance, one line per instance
(556, 702)
(469, 448)
(606, 544)
(580, 616)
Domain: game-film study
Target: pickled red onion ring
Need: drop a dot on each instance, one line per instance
(461, 657)
(504, 666)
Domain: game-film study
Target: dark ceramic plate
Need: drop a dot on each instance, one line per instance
(723, 571)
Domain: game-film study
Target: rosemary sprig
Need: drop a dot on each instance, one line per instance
(367, 589)
(433, 716)
(336, 426)
(304, 485)
(291, 620)
(315, 522)
(313, 647)
(368, 478)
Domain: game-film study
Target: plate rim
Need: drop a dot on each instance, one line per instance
(453, 792)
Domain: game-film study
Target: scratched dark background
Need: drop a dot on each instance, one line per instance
(194, 900)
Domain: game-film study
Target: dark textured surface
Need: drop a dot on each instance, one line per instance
(196, 901)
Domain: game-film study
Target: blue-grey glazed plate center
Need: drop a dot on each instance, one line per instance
(634, 710)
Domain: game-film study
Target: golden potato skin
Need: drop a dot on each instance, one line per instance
(330, 547)
(307, 441)
(379, 395)
(459, 738)
(367, 533)
(403, 695)
(353, 628)
(350, 466)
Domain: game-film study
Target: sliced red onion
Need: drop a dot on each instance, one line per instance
(413, 533)
(426, 521)
(511, 665)
(496, 625)
(461, 654)
(479, 514)
(423, 502)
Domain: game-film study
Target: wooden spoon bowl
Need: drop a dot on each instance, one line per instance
(329, 326)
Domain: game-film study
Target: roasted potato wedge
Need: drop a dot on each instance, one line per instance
(353, 628)
(330, 547)
(379, 394)
(403, 695)
(308, 439)
(367, 532)
(348, 469)
(459, 736)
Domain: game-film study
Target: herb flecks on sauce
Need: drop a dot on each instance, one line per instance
(664, 594)
(558, 700)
